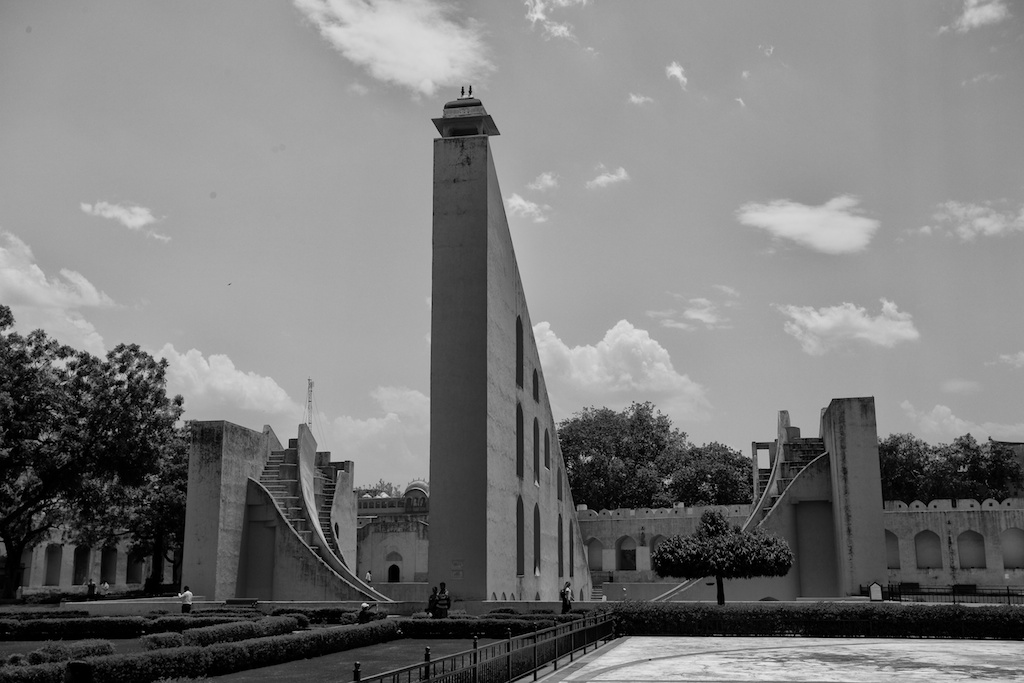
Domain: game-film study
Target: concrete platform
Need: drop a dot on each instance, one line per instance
(853, 660)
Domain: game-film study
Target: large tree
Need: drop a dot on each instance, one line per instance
(71, 423)
(636, 458)
(620, 459)
(712, 474)
(723, 551)
(914, 470)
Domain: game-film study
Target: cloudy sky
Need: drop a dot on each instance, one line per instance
(726, 208)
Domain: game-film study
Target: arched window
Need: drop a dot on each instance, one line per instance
(1012, 541)
(595, 551)
(536, 540)
(136, 567)
(561, 556)
(520, 538)
(520, 447)
(536, 387)
(54, 558)
(971, 549)
(928, 550)
(108, 565)
(625, 554)
(892, 550)
(519, 352)
(536, 451)
(547, 449)
(83, 555)
(559, 483)
(572, 565)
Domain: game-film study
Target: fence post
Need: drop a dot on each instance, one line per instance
(476, 659)
(558, 636)
(508, 656)
(536, 642)
(426, 664)
(356, 675)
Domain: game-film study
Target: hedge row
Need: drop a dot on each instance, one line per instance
(222, 633)
(214, 660)
(324, 615)
(44, 614)
(78, 628)
(824, 619)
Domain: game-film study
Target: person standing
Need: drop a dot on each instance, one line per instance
(444, 602)
(90, 590)
(432, 604)
(369, 576)
(186, 600)
(566, 598)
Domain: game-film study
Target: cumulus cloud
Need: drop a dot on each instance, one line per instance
(835, 227)
(968, 221)
(538, 13)
(415, 44)
(210, 382)
(626, 365)
(961, 386)
(1014, 360)
(545, 181)
(940, 424)
(981, 78)
(51, 303)
(639, 100)
(131, 216)
(821, 330)
(518, 206)
(606, 178)
(699, 312)
(394, 444)
(675, 70)
(978, 13)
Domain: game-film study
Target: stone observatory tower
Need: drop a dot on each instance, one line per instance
(502, 519)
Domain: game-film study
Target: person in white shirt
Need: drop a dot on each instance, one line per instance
(186, 600)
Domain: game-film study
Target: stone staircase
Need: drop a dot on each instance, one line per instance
(597, 586)
(327, 487)
(280, 478)
(796, 455)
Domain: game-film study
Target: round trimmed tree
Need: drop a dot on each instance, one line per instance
(724, 551)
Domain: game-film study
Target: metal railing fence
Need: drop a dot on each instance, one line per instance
(504, 660)
(956, 594)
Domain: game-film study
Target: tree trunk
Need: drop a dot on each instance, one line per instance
(156, 575)
(12, 568)
(721, 589)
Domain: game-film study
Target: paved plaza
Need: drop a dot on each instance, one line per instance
(852, 660)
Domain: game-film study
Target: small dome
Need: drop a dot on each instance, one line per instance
(417, 485)
(383, 495)
(464, 102)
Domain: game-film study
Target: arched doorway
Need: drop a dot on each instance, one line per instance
(81, 573)
(594, 551)
(394, 574)
(625, 554)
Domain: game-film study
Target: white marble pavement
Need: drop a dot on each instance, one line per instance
(846, 660)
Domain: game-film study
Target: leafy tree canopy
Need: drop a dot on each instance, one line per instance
(636, 458)
(71, 423)
(914, 470)
(724, 551)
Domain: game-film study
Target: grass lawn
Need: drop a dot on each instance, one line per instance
(335, 668)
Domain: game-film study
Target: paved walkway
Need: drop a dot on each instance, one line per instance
(846, 660)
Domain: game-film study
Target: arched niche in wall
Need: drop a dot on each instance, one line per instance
(1012, 540)
(970, 546)
(892, 550)
(928, 550)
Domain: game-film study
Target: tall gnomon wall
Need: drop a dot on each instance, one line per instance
(502, 519)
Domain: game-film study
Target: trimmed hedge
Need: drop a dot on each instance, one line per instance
(162, 641)
(41, 673)
(63, 652)
(823, 619)
(73, 629)
(45, 614)
(225, 658)
(323, 615)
